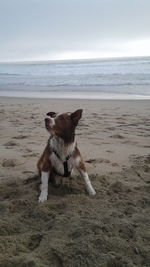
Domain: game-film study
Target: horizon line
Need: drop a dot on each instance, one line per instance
(74, 59)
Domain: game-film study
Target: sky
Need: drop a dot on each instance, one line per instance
(72, 29)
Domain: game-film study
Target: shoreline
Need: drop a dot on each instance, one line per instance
(108, 92)
(75, 99)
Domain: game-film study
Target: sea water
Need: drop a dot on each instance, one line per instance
(127, 78)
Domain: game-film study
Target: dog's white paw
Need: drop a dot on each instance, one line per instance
(90, 189)
(92, 192)
(43, 197)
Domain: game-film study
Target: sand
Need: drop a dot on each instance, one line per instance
(73, 229)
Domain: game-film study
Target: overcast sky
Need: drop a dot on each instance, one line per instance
(63, 29)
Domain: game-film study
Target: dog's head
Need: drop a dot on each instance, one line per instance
(63, 125)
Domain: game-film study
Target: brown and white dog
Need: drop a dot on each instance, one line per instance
(61, 154)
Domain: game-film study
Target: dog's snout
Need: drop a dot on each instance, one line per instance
(49, 123)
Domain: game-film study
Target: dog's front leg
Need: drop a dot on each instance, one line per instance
(44, 186)
(82, 170)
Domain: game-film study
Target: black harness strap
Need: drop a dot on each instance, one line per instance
(65, 164)
(66, 172)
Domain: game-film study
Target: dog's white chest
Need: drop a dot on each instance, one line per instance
(58, 164)
(61, 158)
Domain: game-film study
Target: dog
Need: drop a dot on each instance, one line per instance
(61, 154)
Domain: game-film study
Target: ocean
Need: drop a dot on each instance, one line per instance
(127, 78)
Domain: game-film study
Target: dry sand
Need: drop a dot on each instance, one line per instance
(73, 229)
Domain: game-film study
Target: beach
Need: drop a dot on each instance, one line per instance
(72, 228)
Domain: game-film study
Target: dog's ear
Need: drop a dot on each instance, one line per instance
(51, 114)
(76, 116)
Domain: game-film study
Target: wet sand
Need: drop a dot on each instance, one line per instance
(73, 229)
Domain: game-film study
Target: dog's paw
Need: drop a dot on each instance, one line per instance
(92, 192)
(42, 197)
(90, 189)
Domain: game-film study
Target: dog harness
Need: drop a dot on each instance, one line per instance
(67, 173)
